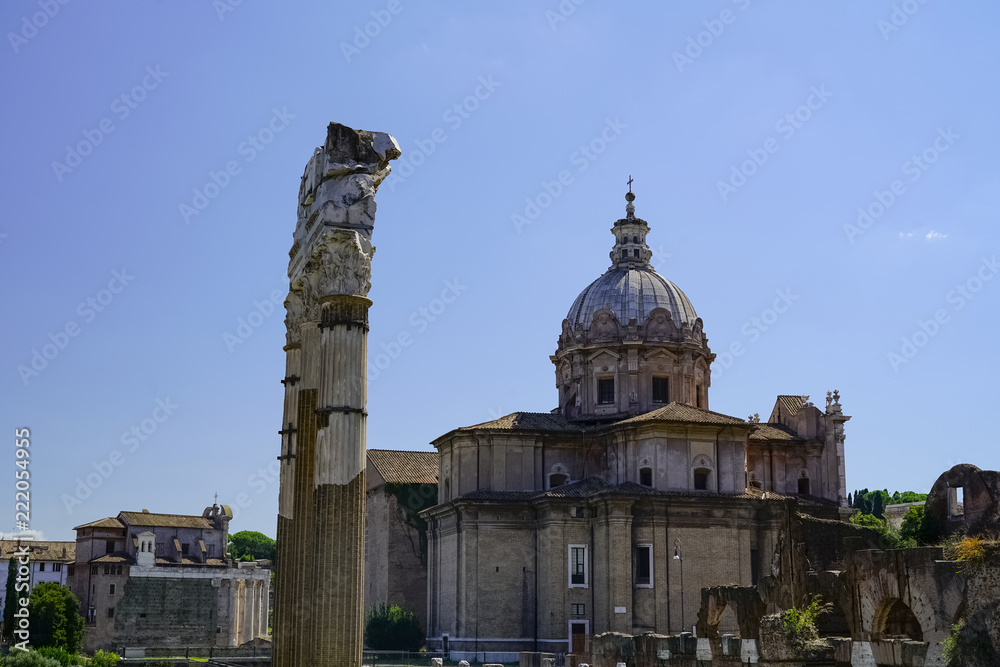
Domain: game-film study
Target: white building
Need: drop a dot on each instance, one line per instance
(49, 562)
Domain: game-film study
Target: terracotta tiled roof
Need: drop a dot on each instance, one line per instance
(679, 412)
(399, 467)
(773, 432)
(527, 421)
(109, 522)
(792, 404)
(112, 558)
(62, 552)
(166, 520)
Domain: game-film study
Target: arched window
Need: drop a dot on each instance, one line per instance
(558, 476)
(635, 239)
(703, 473)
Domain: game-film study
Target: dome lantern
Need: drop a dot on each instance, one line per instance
(632, 341)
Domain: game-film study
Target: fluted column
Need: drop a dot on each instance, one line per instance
(321, 502)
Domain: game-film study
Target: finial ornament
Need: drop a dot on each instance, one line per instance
(629, 197)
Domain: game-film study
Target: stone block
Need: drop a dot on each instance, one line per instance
(437, 662)
(464, 663)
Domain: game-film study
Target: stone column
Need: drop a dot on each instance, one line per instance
(319, 607)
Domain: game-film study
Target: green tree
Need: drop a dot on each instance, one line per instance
(55, 617)
(915, 525)
(10, 605)
(251, 545)
(392, 628)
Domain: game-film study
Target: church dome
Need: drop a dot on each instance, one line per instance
(631, 293)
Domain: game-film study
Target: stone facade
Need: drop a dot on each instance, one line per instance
(400, 484)
(164, 580)
(320, 560)
(612, 512)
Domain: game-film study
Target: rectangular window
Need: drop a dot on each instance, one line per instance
(644, 565)
(184, 549)
(754, 566)
(109, 546)
(577, 566)
(111, 591)
(93, 569)
(579, 610)
(71, 570)
(57, 567)
(41, 567)
(107, 569)
(111, 612)
(606, 391)
(701, 480)
(661, 390)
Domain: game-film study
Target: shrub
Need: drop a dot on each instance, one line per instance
(64, 657)
(19, 658)
(800, 622)
(392, 628)
(967, 647)
(104, 659)
(970, 552)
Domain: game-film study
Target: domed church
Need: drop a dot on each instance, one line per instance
(614, 510)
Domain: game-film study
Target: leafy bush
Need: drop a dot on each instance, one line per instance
(104, 659)
(55, 617)
(915, 526)
(800, 622)
(19, 658)
(392, 628)
(889, 538)
(969, 551)
(64, 657)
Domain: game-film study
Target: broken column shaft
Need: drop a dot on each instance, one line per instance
(319, 608)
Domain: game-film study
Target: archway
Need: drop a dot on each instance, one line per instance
(895, 620)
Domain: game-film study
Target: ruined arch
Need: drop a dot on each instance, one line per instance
(895, 620)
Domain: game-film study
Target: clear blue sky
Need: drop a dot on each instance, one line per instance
(678, 116)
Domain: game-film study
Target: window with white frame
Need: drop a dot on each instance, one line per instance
(578, 566)
(643, 567)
